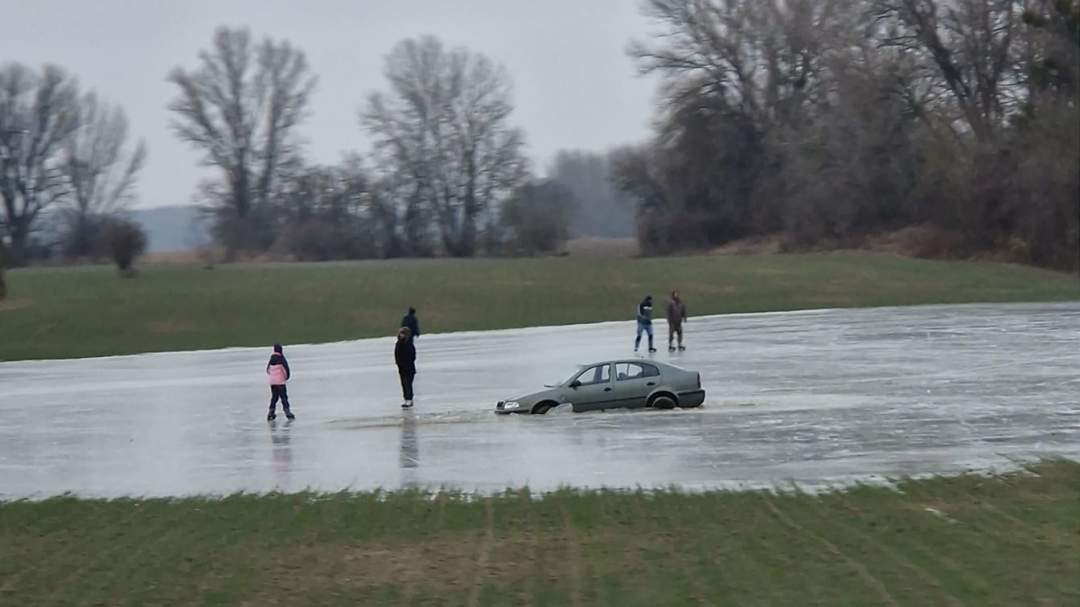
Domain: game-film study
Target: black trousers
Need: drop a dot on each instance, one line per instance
(277, 392)
(407, 378)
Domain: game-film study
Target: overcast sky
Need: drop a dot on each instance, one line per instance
(574, 86)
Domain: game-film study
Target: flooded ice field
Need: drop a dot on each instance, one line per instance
(816, 398)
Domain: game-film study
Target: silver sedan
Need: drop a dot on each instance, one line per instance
(612, 385)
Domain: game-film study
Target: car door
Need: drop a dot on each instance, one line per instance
(592, 389)
(634, 382)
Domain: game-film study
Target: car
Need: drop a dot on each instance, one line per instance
(615, 384)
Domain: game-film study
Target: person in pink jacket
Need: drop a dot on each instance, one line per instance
(277, 370)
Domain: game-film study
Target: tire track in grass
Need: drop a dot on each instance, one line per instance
(598, 590)
(205, 537)
(714, 563)
(65, 548)
(409, 592)
(63, 553)
(487, 540)
(1027, 528)
(967, 575)
(152, 533)
(531, 531)
(978, 525)
(163, 564)
(783, 553)
(892, 554)
(986, 536)
(30, 563)
(864, 573)
(35, 538)
(669, 519)
(573, 552)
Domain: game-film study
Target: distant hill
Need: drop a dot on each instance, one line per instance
(173, 228)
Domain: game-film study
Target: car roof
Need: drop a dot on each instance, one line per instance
(636, 361)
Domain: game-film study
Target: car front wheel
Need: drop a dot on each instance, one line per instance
(542, 408)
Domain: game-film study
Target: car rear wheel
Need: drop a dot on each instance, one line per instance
(542, 408)
(662, 402)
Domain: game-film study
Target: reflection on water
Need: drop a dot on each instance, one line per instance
(281, 452)
(410, 448)
(409, 455)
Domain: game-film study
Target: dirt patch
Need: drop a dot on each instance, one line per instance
(437, 562)
(602, 247)
(9, 305)
(183, 258)
(757, 245)
(919, 241)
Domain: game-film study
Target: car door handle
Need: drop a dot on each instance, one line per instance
(607, 389)
(652, 383)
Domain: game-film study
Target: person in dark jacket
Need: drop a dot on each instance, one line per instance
(644, 323)
(278, 372)
(405, 357)
(410, 321)
(676, 316)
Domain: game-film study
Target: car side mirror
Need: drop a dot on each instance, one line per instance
(575, 384)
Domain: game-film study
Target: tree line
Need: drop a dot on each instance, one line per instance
(831, 121)
(446, 175)
(826, 122)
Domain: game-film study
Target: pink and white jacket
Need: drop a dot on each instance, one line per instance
(277, 370)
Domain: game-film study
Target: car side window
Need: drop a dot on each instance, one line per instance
(600, 374)
(628, 371)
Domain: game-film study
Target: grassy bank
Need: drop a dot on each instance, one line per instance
(970, 540)
(75, 312)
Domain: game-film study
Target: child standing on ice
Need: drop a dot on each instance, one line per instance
(277, 370)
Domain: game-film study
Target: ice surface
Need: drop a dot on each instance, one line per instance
(815, 397)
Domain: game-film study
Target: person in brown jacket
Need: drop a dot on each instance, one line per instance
(676, 316)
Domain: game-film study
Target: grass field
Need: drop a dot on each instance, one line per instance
(78, 312)
(1011, 540)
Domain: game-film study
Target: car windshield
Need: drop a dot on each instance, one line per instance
(573, 374)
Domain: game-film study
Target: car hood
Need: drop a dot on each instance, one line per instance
(531, 398)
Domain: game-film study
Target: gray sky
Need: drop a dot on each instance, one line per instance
(574, 87)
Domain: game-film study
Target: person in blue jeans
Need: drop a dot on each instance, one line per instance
(644, 323)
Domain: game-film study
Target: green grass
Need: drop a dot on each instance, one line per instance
(1011, 540)
(61, 313)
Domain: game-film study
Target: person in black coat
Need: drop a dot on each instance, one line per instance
(410, 321)
(405, 357)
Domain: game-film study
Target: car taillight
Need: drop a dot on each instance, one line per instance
(699, 381)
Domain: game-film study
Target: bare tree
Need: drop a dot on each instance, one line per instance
(100, 171)
(935, 125)
(971, 46)
(760, 58)
(603, 210)
(325, 212)
(240, 107)
(38, 114)
(442, 131)
(536, 219)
